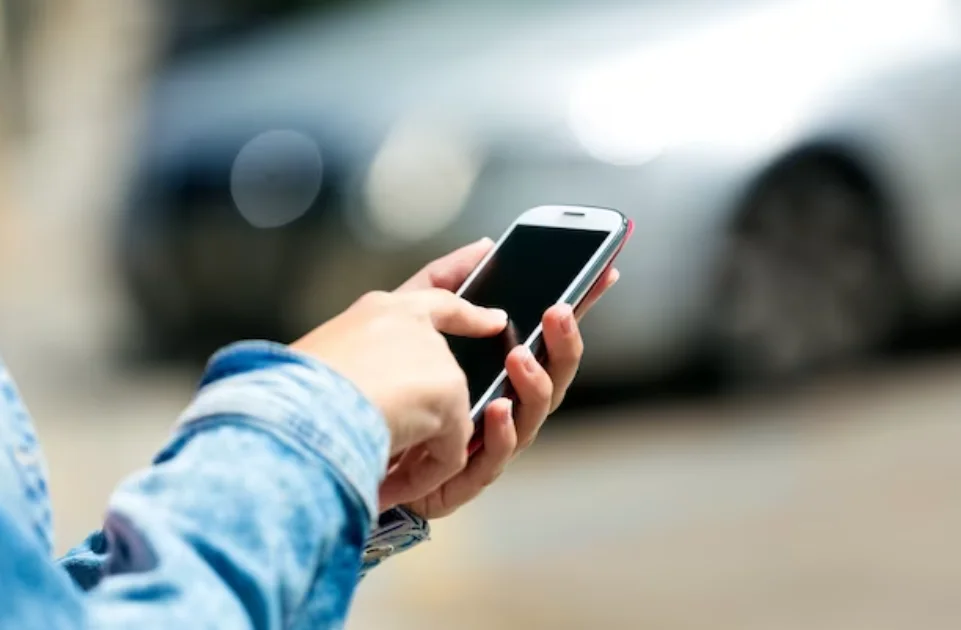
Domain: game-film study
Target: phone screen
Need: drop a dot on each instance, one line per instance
(528, 274)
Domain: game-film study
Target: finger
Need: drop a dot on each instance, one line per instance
(392, 463)
(450, 271)
(565, 347)
(606, 281)
(396, 482)
(534, 392)
(425, 469)
(456, 316)
(500, 443)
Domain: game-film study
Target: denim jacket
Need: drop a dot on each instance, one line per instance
(260, 512)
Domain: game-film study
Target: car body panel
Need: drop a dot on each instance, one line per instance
(669, 113)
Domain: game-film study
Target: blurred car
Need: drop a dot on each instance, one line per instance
(192, 26)
(792, 167)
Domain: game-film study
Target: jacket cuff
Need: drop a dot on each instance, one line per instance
(297, 399)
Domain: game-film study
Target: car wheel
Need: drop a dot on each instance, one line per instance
(808, 278)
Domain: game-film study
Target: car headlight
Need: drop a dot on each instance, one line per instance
(419, 181)
(616, 122)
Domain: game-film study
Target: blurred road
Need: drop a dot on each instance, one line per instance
(838, 508)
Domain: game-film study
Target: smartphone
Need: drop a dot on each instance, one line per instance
(549, 255)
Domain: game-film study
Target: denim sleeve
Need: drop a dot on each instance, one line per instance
(254, 515)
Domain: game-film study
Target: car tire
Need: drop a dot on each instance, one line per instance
(808, 278)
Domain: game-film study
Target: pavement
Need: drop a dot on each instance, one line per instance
(836, 508)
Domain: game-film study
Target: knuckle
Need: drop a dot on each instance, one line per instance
(375, 299)
(419, 307)
(577, 350)
(450, 299)
(489, 477)
(434, 271)
(454, 380)
(545, 388)
(460, 460)
(527, 442)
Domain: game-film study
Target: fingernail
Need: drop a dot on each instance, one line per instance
(487, 241)
(530, 363)
(509, 418)
(501, 315)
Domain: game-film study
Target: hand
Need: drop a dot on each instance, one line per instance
(508, 429)
(390, 346)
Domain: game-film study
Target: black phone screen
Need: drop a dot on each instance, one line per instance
(528, 274)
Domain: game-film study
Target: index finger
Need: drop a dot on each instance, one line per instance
(456, 316)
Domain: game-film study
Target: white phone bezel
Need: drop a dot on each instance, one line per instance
(558, 216)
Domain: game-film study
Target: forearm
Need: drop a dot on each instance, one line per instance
(242, 547)
(397, 531)
(263, 499)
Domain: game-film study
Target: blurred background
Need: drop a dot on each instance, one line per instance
(766, 431)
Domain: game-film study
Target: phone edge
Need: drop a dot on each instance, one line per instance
(583, 288)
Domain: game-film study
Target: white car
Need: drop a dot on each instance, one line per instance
(792, 166)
